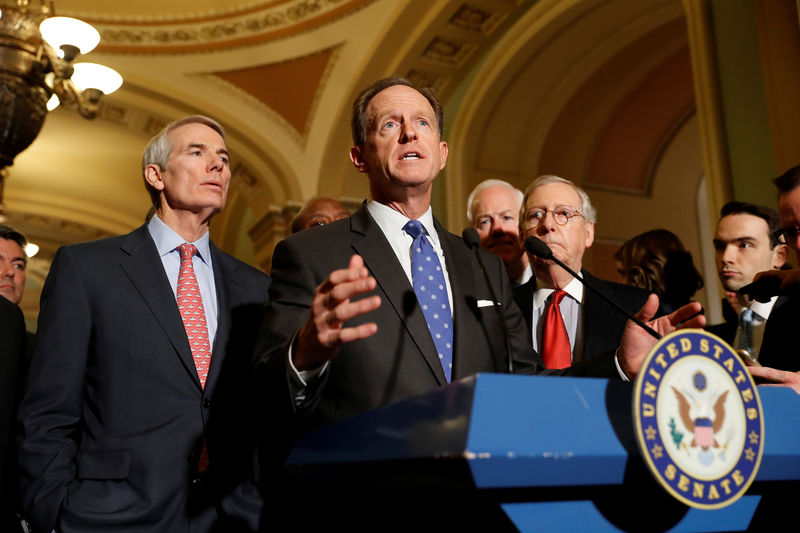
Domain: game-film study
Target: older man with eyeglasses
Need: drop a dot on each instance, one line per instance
(568, 324)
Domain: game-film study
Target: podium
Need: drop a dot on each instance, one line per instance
(522, 453)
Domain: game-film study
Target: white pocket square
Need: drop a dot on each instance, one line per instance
(486, 303)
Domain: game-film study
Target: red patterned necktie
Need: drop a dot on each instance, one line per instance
(556, 351)
(190, 306)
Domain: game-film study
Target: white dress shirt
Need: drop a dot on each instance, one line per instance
(526, 275)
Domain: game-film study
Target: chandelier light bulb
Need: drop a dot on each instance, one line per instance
(61, 31)
(94, 76)
(53, 102)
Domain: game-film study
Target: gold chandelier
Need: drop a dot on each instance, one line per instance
(38, 70)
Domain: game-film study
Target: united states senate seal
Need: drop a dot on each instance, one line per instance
(698, 419)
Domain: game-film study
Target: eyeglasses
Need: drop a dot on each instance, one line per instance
(561, 215)
(789, 234)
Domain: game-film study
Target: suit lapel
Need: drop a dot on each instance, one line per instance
(523, 296)
(462, 273)
(371, 244)
(225, 282)
(143, 266)
(596, 325)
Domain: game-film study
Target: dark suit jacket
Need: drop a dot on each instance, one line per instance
(400, 360)
(12, 351)
(602, 323)
(779, 347)
(114, 414)
(778, 344)
(724, 330)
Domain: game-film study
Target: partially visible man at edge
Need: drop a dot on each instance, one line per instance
(13, 263)
(14, 345)
(346, 329)
(780, 353)
(135, 416)
(493, 210)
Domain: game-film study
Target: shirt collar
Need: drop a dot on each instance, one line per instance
(167, 240)
(574, 289)
(391, 221)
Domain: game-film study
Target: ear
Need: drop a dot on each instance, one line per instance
(779, 256)
(358, 160)
(589, 233)
(442, 155)
(152, 173)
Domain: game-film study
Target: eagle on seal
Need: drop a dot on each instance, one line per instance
(703, 426)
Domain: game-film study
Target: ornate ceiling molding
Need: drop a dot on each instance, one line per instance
(293, 113)
(250, 27)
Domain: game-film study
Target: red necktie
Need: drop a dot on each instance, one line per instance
(190, 306)
(555, 341)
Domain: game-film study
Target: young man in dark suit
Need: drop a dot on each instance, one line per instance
(746, 244)
(134, 415)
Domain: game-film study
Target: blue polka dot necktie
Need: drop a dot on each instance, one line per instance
(431, 291)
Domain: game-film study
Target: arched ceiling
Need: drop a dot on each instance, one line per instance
(530, 85)
(559, 83)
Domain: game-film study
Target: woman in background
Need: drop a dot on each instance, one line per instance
(658, 261)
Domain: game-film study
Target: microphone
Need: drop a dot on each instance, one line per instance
(539, 248)
(471, 237)
(473, 240)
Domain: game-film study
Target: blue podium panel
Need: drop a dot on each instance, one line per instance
(430, 426)
(544, 431)
(525, 453)
(781, 460)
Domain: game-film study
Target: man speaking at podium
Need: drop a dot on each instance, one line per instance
(387, 305)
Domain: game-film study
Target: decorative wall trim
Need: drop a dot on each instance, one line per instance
(271, 21)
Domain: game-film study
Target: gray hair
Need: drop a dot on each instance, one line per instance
(158, 149)
(587, 209)
(482, 186)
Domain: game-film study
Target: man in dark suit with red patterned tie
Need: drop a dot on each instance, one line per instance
(133, 418)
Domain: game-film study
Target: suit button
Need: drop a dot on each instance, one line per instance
(196, 482)
(206, 403)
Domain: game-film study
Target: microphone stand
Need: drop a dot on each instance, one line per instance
(539, 248)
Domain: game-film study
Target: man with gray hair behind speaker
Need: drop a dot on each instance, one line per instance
(493, 210)
(567, 323)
